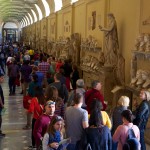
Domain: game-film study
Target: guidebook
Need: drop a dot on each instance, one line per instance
(64, 143)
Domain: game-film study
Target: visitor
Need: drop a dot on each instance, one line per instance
(76, 120)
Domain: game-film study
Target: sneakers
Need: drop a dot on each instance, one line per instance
(2, 135)
(27, 127)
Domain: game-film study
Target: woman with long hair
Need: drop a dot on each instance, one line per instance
(53, 135)
(36, 108)
(97, 105)
(52, 93)
(97, 135)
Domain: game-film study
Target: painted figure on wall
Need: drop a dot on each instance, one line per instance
(111, 41)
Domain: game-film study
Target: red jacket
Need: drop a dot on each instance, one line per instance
(90, 95)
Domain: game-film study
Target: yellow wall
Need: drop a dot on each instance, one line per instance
(128, 14)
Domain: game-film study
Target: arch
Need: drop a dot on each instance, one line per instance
(31, 20)
(34, 14)
(10, 25)
(39, 11)
(58, 5)
(23, 23)
(25, 20)
(28, 21)
(47, 8)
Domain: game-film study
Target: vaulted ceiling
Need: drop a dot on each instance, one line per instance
(15, 10)
(24, 11)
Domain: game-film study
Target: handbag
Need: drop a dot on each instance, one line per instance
(17, 82)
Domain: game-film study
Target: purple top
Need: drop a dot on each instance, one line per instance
(40, 127)
(25, 72)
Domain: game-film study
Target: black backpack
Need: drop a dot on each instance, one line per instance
(132, 142)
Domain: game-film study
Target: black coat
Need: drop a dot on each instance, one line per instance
(141, 115)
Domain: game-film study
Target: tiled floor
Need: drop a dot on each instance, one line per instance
(13, 121)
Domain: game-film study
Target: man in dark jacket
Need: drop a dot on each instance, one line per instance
(141, 115)
(1, 103)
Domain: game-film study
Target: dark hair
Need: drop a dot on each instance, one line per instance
(94, 83)
(40, 95)
(77, 98)
(49, 93)
(74, 67)
(127, 114)
(58, 76)
(51, 129)
(96, 118)
(44, 58)
(35, 78)
(96, 105)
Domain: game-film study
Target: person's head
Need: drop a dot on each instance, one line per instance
(35, 68)
(96, 85)
(34, 77)
(40, 95)
(145, 95)
(1, 78)
(96, 118)
(51, 93)
(57, 76)
(78, 99)
(74, 67)
(49, 107)
(124, 101)
(80, 83)
(96, 105)
(44, 59)
(55, 125)
(127, 116)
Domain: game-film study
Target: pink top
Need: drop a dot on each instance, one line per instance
(121, 134)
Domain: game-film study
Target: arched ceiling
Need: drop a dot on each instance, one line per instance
(15, 9)
(18, 10)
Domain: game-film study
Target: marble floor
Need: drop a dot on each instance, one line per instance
(13, 120)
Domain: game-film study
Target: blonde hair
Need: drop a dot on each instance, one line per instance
(124, 101)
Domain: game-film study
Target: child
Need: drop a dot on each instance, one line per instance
(53, 135)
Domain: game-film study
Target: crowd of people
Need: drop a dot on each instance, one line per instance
(59, 105)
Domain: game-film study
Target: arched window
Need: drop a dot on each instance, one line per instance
(25, 20)
(46, 6)
(21, 24)
(34, 14)
(39, 11)
(31, 20)
(28, 21)
(73, 1)
(58, 5)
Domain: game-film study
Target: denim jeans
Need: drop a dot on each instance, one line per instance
(12, 86)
